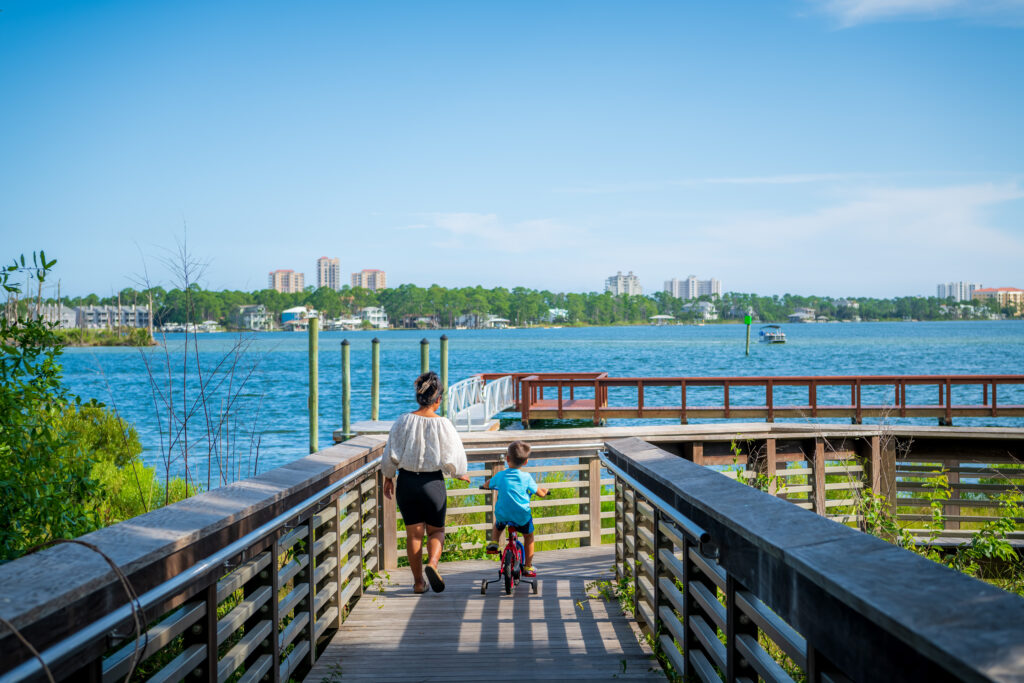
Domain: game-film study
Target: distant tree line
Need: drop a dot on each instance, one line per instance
(523, 306)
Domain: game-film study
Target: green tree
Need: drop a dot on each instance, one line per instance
(43, 494)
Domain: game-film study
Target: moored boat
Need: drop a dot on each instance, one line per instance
(772, 334)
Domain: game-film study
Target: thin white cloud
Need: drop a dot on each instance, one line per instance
(487, 230)
(855, 12)
(656, 185)
(900, 235)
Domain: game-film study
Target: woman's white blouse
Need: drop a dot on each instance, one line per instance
(423, 444)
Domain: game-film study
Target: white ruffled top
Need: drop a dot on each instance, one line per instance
(423, 444)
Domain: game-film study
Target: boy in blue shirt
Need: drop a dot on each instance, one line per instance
(514, 487)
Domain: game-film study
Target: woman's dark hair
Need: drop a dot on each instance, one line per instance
(428, 389)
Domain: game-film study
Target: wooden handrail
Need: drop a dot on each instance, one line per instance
(837, 601)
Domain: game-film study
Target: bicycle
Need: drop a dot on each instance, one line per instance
(510, 570)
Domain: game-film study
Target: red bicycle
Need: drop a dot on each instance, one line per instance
(510, 570)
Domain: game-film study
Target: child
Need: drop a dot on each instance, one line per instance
(514, 487)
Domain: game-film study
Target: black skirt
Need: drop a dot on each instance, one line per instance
(421, 497)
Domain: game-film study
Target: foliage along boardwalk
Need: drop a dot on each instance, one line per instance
(461, 635)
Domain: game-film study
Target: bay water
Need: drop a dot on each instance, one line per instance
(255, 386)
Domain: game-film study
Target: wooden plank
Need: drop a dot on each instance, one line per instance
(560, 634)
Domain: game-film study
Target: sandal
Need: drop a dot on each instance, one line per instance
(434, 578)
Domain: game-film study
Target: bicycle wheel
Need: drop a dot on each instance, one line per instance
(506, 571)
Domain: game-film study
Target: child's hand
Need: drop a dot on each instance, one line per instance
(542, 492)
(486, 484)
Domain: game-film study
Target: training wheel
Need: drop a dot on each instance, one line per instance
(534, 587)
(483, 588)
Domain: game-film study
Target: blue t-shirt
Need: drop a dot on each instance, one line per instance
(514, 489)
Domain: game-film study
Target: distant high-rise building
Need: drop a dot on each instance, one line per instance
(957, 291)
(623, 284)
(286, 281)
(370, 278)
(691, 287)
(328, 273)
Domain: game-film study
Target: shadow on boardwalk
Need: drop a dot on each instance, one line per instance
(461, 635)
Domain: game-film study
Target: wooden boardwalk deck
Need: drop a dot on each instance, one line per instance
(461, 635)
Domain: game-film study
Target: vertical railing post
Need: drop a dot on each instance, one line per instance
(375, 380)
(267, 577)
(818, 465)
(359, 544)
(387, 527)
(952, 508)
(314, 385)
(424, 356)
(769, 395)
(346, 391)
(336, 518)
(682, 402)
(204, 632)
(594, 504)
(659, 543)
(620, 531)
(636, 554)
(736, 624)
(310, 579)
(444, 374)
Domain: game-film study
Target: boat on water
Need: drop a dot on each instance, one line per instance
(772, 334)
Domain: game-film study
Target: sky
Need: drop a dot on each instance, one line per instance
(831, 147)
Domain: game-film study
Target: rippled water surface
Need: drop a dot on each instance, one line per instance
(268, 420)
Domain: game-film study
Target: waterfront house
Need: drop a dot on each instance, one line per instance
(374, 315)
(802, 315)
(252, 317)
(705, 310)
(106, 317)
(64, 317)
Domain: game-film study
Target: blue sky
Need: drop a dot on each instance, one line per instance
(839, 147)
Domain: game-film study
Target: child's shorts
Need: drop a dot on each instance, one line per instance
(520, 528)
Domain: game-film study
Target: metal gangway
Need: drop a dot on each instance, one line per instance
(474, 402)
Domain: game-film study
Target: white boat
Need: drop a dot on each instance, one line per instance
(772, 334)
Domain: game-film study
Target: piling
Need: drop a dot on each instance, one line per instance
(747, 320)
(314, 385)
(444, 374)
(346, 390)
(424, 356)
(375, 381)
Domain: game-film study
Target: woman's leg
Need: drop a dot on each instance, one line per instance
(414, 549)
(435, 542)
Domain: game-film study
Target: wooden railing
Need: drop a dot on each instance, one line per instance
(589, 396)
(252, 579)
(733, 584)
(285, 563)
(576, 518)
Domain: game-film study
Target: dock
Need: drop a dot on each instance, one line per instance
(566, 632)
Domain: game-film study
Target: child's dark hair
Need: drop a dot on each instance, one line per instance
(428, 389)
(518, 453)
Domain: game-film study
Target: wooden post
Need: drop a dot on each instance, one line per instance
(204, 632)
(314, 385)
(310, 579)
(387, 527)
(736, 624)
(424, 356)
(818, 465)
(346, 391)
(375, 379)
(444, 374)
(954, 495)
(594, 506)
(771, 466)
(620, 531)
(748, 334)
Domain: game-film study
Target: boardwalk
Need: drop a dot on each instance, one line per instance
(461, 635)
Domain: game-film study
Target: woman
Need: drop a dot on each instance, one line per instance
(422, 448)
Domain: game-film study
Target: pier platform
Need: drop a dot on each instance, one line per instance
(560, 634)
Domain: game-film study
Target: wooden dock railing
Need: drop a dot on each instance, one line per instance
(596, 396)
(249, 581)
(728, 579)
